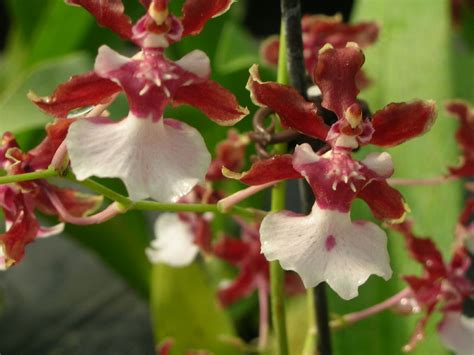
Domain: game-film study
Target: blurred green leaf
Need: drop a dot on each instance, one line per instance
(236, 49)
(121, 244)
(60, 31)
(184, 307)
(18, 114)
(24, 19)
(403, 66)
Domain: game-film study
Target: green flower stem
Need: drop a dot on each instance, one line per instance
(126, 203)
(278, 203)
(42, 174)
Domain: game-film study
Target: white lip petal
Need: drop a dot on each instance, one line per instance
(327, 246)
(163, 160)
(457, 333)
(173, 243)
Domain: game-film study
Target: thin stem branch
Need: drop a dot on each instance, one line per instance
(355, 317)
(126, 203)
(41, 174)
(438, 180)
(277, 296)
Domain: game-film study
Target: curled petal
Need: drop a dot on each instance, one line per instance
(173, 243)
(230, 153)
(294, 111)
(163, 160)
(219, 104)
(21, 231)
(335, 74)
(239, 288)
(79, 91)
(279, 167)
(385, 202)
(464, 135)
(399, 122)
(40, 157)
(326, 246)
(269, 51)
(197, 12)
(457, 333)
(108, 13)
(45, 232)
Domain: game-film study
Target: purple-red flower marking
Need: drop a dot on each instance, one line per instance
(326, 245)
(154, 156)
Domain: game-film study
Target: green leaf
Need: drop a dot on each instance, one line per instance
(121, 244)
(17, 112)
(184, 307)
(410, 61)
(61, 30)
(236, 49)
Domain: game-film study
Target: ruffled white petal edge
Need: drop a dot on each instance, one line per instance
(457, 333)
(327, 246)
(163, 160)
(173, 243)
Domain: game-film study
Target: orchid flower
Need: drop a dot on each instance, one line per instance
(326, 245)
(19, 201)
(155, 157)
(443, 287)
(318, 30)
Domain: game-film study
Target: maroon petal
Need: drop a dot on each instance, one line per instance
(279, 167)
(335, 74)
(467, 212)
(269, 51)
(398, 122)
(108, 13)
(197, 12)
(40, 157)
(241, 287)
(294, 111)
(464, 113)
(79, 91)
(22, 231)
(423, 250)
(219, 104)
(230, 154)
(231, 249)
(385, 202)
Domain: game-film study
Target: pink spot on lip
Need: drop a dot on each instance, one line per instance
(330, 242)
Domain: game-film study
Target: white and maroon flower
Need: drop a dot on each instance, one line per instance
(443, 287)
(325, 244)
(154, 156)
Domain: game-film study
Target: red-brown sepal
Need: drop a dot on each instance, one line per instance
(399, 122)
(109, 14)
(79, 91)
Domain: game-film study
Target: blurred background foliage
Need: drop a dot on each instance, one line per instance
(419, 55)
